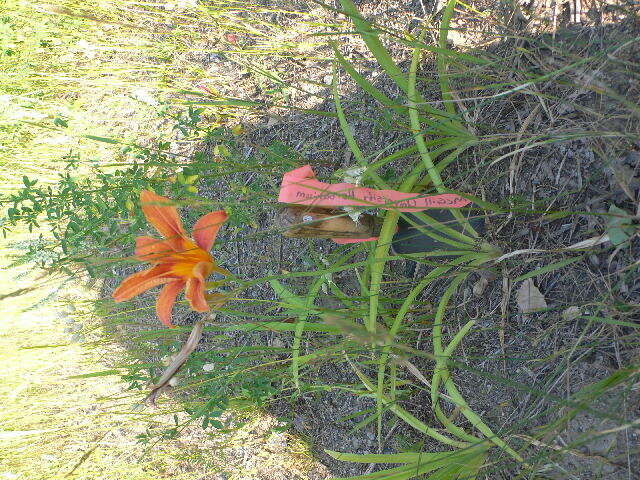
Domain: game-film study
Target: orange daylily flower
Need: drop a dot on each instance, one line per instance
(179, 262)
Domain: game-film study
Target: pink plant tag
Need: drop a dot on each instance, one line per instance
(301, 187)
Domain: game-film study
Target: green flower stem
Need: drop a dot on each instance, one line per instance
(441, 63)
(413, 98)
(445, 86)
(402, 312)
(406, 416)
(414, 118)
(441, 373)
(441, 364)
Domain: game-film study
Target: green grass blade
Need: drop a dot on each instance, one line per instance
(549, 268)
(409, 457)
(441, 373)
(414, 118)
(610, 321)
(404, 415)
(395, 327)
(370, 37)
(363, 82)
(441, 62)
(303, 307)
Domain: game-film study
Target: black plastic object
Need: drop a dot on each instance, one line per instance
(410, 239)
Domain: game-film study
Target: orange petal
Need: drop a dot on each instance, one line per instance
(206, 228)
(195, 287)
(141, 282)
(149, 249)
(162, 216)
(166, 299)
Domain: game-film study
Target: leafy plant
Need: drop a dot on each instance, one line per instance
(441, 123)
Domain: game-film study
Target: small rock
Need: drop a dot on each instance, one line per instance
(298, 423)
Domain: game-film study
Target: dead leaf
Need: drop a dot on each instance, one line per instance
(480, 286)
(178, 360)
(589, 242)
(486, 277)
(272, 121)
(529, 298)
(571, 313)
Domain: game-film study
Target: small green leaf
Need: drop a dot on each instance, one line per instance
(104, 373)
(59, 122)
(216, 423)
(101, 139)
(548, 268)
(618, 235)
(619, 226)
(291, 301)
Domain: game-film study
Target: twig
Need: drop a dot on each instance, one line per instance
(590, 242)
(86, 454)
(178, 361)
(504, 314)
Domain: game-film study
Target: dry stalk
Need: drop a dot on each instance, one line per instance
(179, 360)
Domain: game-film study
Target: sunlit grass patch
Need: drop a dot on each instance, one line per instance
(61, 420)
(54, 426)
